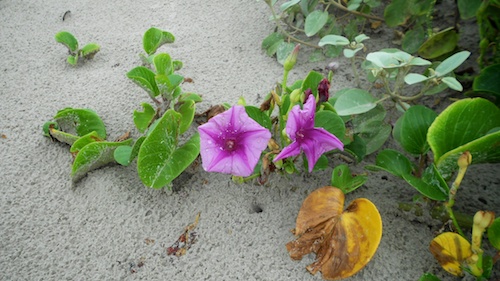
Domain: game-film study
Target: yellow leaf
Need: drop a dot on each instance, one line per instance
(451, 250)
(344, 242)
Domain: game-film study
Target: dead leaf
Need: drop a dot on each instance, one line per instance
(185, 241)
(344, 241)
(375, 24)
(123, 137)
(451, 250)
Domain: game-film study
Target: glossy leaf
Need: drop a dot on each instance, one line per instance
(393, 162)
(487, 80)
(187, 110)
(160, 160)
(331, 122)
(142, 119)
(344, 240)
(80, 122)
(450, 250)
(83, 141)
(259, 116)
(410, 131)
(93, 156)
(431, 185)
(68, 40)
(343, 179)
(466, 125)
(145, 78)
(88, 51)
(354, 101)
(312, 81)
(494, 233)
(154, 38)
(315, 21)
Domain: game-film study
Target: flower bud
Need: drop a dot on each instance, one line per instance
(323, 88)
(483, 219)
(295, 96)
(291, 59)
(464, 160)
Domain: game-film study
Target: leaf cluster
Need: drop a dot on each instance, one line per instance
(67, 39)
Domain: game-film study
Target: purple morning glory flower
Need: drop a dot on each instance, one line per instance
(232, 142)
(313, 141)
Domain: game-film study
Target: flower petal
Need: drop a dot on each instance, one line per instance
(291, 150)
(316, 142)
(301, 118)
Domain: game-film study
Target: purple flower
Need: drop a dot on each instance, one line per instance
(232, 142)
(313, 141)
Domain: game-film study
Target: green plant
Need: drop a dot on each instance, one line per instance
(160, 156)
(67, 39)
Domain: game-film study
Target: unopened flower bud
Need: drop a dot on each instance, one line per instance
(483, 219)
(323, 88)
(333, 66)
(292, 58)
(295, 96)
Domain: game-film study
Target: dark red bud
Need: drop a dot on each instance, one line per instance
(323, 88)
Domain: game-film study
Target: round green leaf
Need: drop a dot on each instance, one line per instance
(411, 129)
(354, 101)
(154, 38)
(315, 22)
(68, 40)
(122, 155)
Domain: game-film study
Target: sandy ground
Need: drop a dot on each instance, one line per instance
(111, 227)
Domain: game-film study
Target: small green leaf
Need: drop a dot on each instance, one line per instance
(413, 39)
(285, 6)
(429, 277)
(449, 64)
(312, 81)
(414, 78)
(396, 13)
(189, 96)
(431, 185)
(72, 59)
(259, 116)
(331, 122)
(315, 22)
(357, 148)
(62, 136)
(360, 38)
(68, 40)
(374, 134)
(80, 122)
(154, 38)
(163, 64)
(343, 179)
(160, 160)
(83, 141)
(271, 43)
(335, 40)
(487, 80)
(411, 129)
(145, 78)
(439, 44)
(453, 83)
(143, 119)
(122, 155)
(89, 50)
(187, 110)
(494, 234)
(393, 162)
(93, 156)
(354, 101)
(468, 8)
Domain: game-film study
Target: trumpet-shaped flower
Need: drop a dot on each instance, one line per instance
(232, 142)
(305, 137)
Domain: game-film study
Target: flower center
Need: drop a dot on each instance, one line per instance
(300, 134)
(229, 144)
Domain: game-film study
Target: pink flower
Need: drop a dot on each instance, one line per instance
(232, 142)
(313, 141)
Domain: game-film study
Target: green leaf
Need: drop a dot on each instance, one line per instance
(145, 78)
(360, 38)
(312, 81)
(413, 39)
(396, 13)
(187, 110)
(343, 179)
(285, 6)
(335, 40)
(357, 148)
(429, 277)
(83, 141)
(124, 155)
(259, 116)
(453, 83)
(354, 101)
(68, 40)
(439, 44)
(468, 8)
(272, 42)
(62, 136)
(73, 60)
(89, 50)
(189, 96)
(487, 80)
(331, 122)
(283, 51)
(163, 64)
(142, 119)
(80, 122)
(315, 22)
(411, 129)
(160, 160)
(154, 38)
(374, 134)
(414, 78)
(93, 156)
(431, 185)
(393, 162)
(494, 234)
(466, 125)
(449, 64)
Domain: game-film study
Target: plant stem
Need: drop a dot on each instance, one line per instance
(463, 162)
(343, 8)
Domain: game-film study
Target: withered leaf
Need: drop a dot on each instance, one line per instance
(344, 241)
(451, 250)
